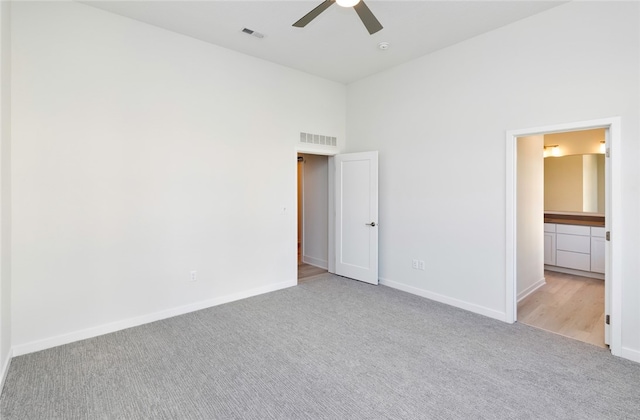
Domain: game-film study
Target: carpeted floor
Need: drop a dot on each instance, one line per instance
(330, 348)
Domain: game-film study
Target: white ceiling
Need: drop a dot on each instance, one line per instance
(335, 45)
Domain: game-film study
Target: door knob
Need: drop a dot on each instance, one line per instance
(372, 224)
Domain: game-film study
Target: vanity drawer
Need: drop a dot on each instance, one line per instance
(573, 230)
(597, 232)
(550, 227)
(573, 243)
(573, 260)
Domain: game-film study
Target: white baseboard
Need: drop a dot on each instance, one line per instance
(4, 369)
(529, 290)
(471, 307)
(590, 274)
(315, 262)
(144, 319)
(631, 354)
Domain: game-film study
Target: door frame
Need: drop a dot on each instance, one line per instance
(613, 209)
(331, 257)
(331, 222)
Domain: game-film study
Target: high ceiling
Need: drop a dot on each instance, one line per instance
(335, 45)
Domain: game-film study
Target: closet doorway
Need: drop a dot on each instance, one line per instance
(313, 215)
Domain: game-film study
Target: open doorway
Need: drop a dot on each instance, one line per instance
(313, 215)
(567, 188)
(514, 232)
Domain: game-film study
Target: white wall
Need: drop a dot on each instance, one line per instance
(590, 183)
(439, 123)
(5, 191)
(140, 155)
(601, 177)
(530, 216)
(315, 204)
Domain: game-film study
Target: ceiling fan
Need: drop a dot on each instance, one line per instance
(366, 16)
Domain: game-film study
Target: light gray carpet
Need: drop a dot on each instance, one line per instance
(330, 348)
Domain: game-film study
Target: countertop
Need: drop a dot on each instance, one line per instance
(574, 219)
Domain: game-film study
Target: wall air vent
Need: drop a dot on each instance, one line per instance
(252, 33)
(318, 139)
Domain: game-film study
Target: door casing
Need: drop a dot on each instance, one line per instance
(330, 202)
(612, 220)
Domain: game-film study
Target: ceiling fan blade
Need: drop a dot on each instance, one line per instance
(304, 21)
(366, 16)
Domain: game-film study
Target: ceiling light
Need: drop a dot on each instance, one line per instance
(383, 46)
(347, 3)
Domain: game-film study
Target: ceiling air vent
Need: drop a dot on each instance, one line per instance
(252, 33)
(318, 139)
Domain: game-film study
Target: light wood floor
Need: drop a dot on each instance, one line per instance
(306, 271)
(568, 305)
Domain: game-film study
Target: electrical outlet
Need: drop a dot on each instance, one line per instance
(415, 264)
(421, 265)
(193, 276)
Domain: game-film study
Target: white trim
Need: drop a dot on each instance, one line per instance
(565, 270)
(510, 239)
(627, 353)
(461, 304)
(300, 202)
(614, 274)
(144, 319)
(4, 369)
(531, 289)
(615, 266)
(331, 210)
(316, 262)
(313, 151)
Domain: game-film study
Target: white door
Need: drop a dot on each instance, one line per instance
(356, 219)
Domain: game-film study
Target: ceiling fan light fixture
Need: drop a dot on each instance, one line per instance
(364, 13)
(347, 3)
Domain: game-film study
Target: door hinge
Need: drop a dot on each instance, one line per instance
(607, 320)
(607, 236)
(608, 153)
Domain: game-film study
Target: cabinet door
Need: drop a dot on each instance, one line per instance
(575, 260)
(573, 243)
(597, 254)
(550, 248)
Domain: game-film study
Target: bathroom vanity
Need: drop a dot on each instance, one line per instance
(574, 243)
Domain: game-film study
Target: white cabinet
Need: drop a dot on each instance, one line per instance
(573, 243)
(574, 247)
(575, 260)
(573, 229)
(550, 244)
(597, 249)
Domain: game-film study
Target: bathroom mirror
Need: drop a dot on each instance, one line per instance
(574, 183)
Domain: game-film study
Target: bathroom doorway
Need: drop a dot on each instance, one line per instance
(566, 295)
(518, 256)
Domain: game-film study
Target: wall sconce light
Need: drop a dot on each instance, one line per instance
(551, 150)
(603, 147)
